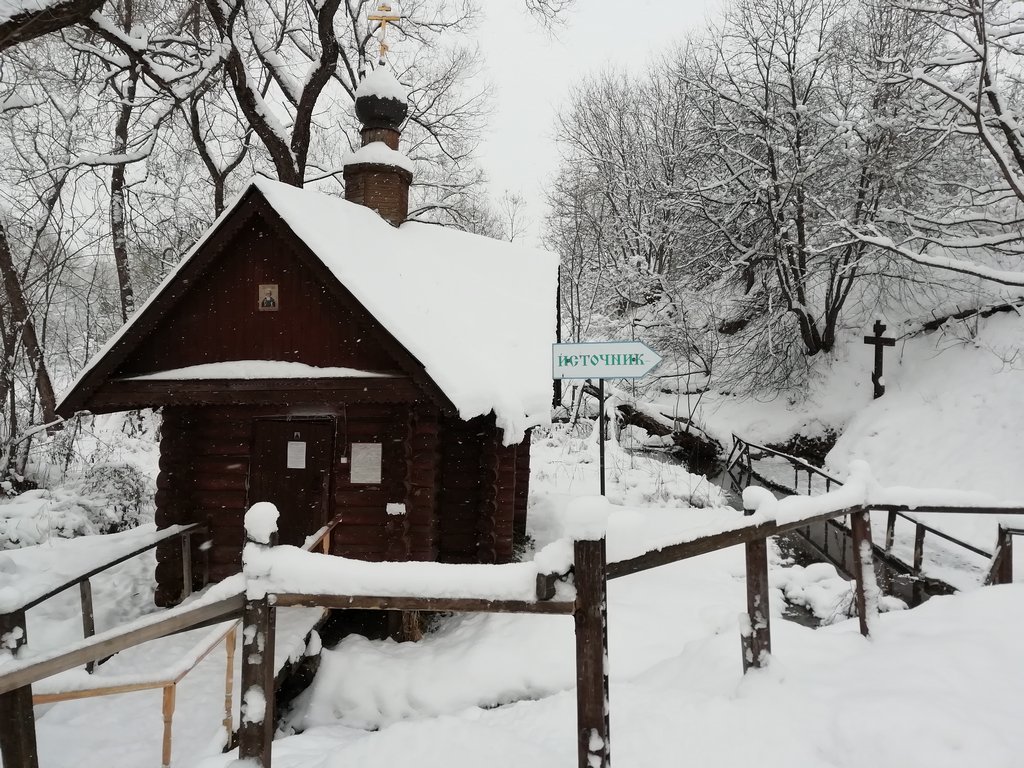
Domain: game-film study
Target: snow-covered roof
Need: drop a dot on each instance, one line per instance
(383, 83)
(477, 313)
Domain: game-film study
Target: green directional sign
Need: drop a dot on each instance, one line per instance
(603, 360)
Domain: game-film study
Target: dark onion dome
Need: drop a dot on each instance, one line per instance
(381, 101)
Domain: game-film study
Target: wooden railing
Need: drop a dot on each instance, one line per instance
(744, 453)
(17, 723)
(13, 623)
(589, 575)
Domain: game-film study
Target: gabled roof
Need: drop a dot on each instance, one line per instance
(477, 314)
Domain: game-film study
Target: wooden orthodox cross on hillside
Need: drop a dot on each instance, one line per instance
(385, 16)
(879, 341)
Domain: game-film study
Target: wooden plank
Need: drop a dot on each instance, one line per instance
(591, 623)
(394, 603)
(109, 643)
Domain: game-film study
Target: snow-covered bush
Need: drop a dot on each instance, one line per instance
(118, 497)
(106, 499)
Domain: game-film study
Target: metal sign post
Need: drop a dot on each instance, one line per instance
(602, 360)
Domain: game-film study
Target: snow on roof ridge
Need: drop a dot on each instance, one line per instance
(380, 153)
(382, 82)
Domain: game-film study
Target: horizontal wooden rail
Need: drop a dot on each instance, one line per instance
(742, 448)
(904, 509)
(170, 533)
(108, 643)
(394, 603)
(713, 542)
(796, 460)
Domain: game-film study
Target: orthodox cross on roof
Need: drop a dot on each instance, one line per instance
(880, 342)
(385, 15)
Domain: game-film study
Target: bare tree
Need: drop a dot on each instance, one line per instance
(969, 87)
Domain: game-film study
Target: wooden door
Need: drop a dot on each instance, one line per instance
(291, 467)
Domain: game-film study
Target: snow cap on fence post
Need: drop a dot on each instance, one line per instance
(261, 522)
(586, 518)
(757, 500)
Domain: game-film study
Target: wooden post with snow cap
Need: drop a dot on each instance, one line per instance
(865, 584)
(256, 717)
(756, 636)
(587, 523)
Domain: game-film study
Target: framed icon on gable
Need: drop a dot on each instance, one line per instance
(267, 299)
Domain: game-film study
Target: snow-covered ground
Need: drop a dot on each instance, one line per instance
(935, 686)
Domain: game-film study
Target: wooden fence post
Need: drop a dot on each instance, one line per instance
(756, 640)
(256, 716)
(919, 531)
(230, 640)
(170, 694)
(17, 718)
(1001, 569)
(591, 617)
(88, 616)
(1006, 564)
(890, 531)
(865, 585)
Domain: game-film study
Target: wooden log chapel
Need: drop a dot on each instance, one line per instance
(333, 358)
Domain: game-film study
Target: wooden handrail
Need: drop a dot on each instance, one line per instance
(895, 510)
(162, 536)
(107, 643)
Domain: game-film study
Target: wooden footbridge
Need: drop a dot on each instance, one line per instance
(572, 585)
(830, 540)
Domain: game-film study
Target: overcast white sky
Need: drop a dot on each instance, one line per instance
(532, 71)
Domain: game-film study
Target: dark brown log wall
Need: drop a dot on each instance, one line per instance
(459, 498)
(219, 318)
(422, 456)
(477, 493)
(204, 465)
(522, 490)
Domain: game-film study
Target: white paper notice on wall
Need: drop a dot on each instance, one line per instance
(366, 463)
(296, 455)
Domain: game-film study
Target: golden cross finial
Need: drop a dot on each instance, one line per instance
(385, 16)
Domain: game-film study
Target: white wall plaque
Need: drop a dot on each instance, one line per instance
(366, 463)
(296, 455)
